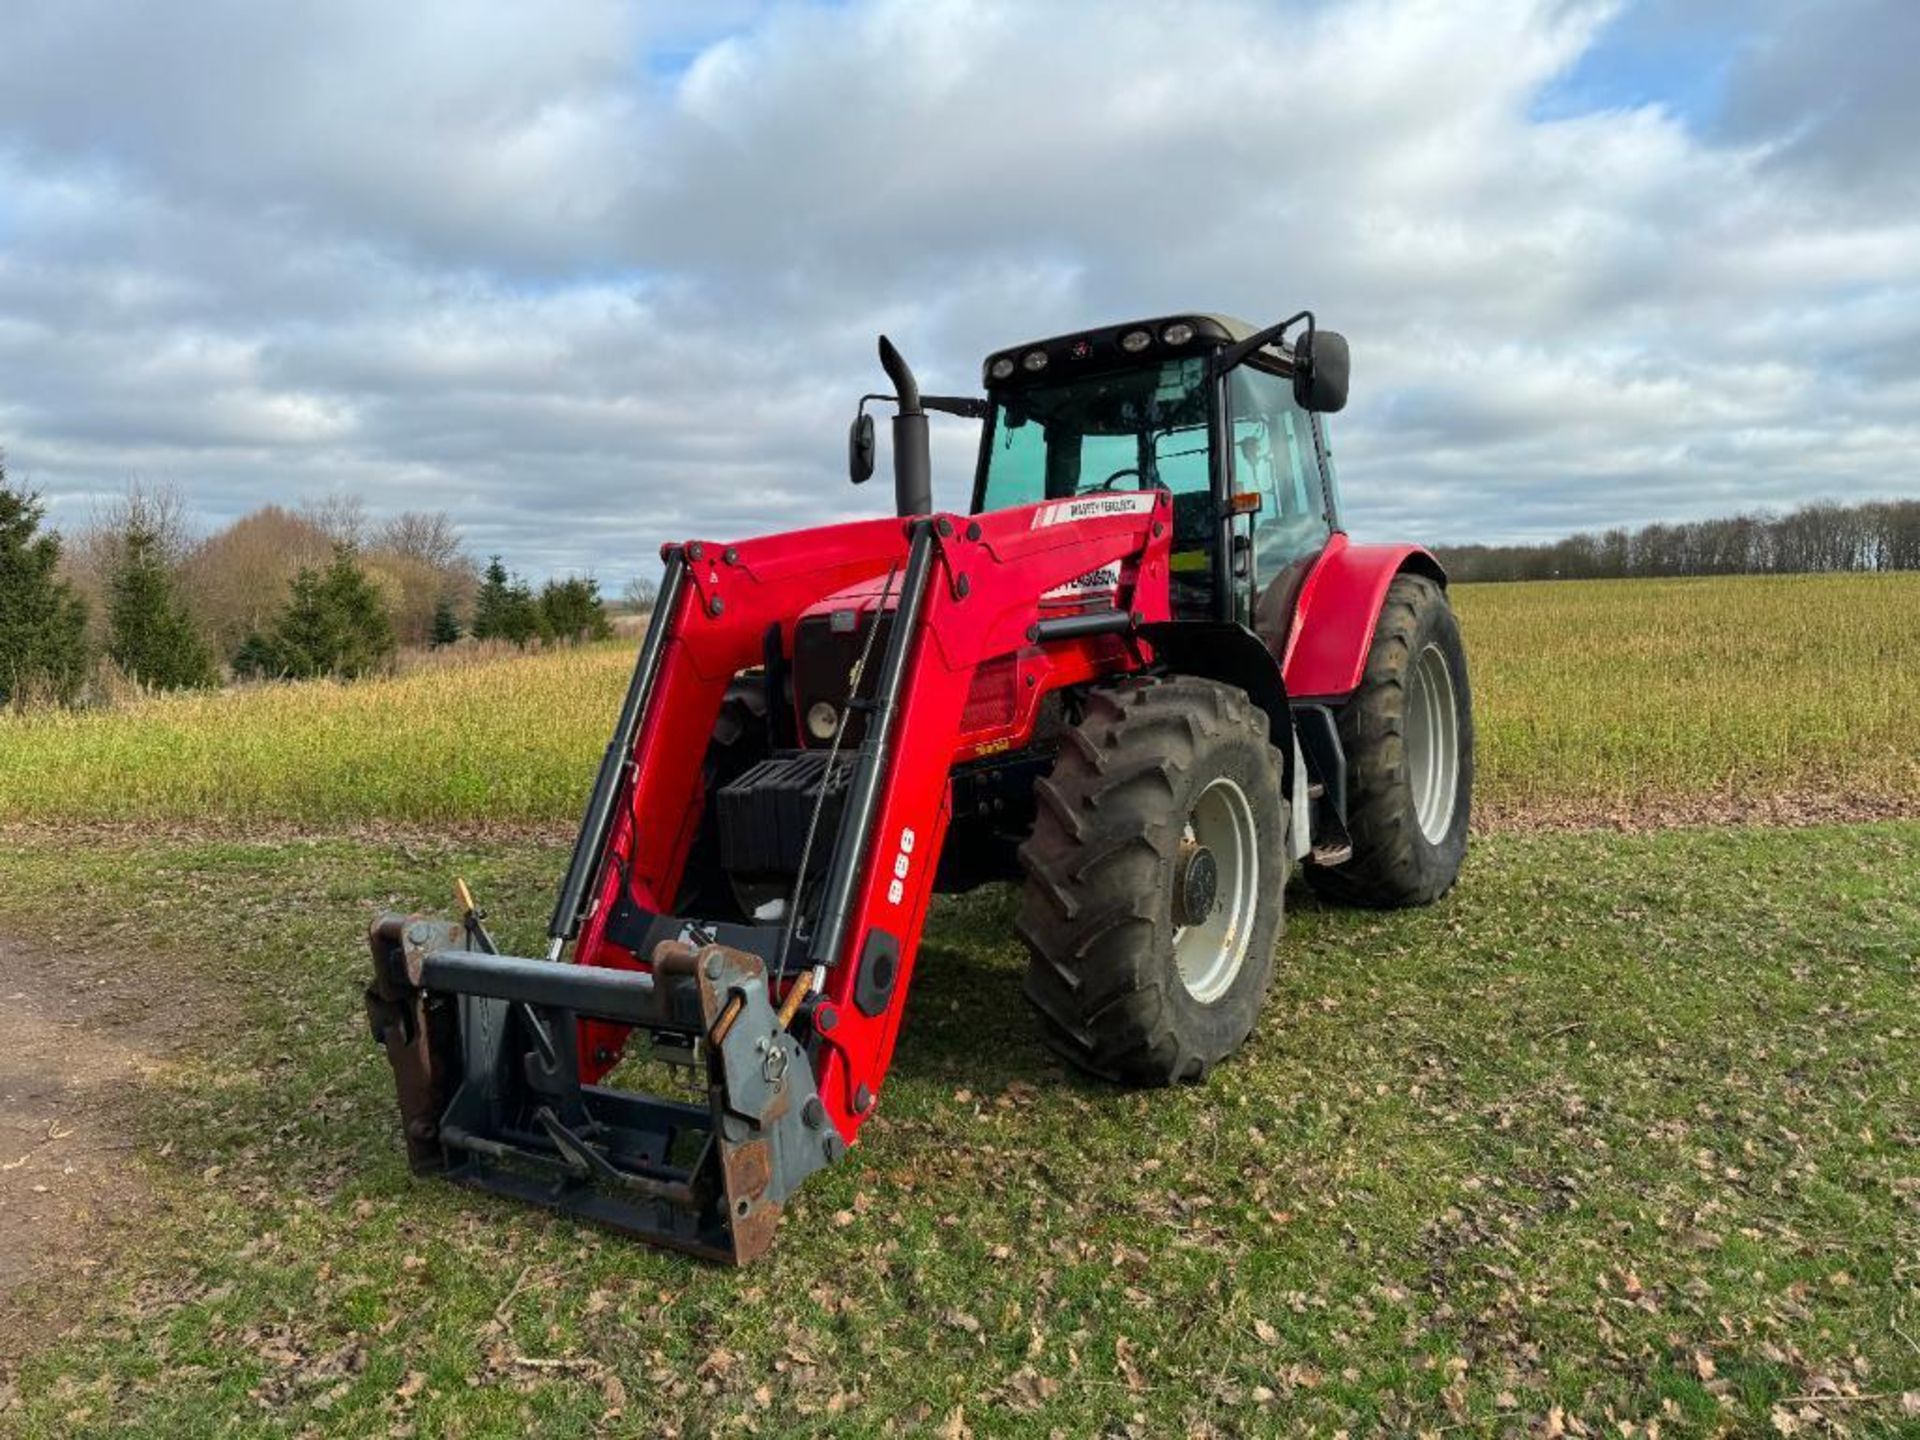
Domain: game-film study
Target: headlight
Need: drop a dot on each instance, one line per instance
(822, 720)
(1035, 360)
(1134, 341)
(1177, 333)
(1001, 368)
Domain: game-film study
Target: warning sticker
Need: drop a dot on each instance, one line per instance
(1093, 507)
(1104, 580)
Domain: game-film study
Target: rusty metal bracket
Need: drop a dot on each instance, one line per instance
(485, 1054)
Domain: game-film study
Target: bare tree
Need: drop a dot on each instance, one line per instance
(90, 557)
(238, 578)
(340, 516)
(418, 560)
(640, 593)
(428, 536)
(1822, 536)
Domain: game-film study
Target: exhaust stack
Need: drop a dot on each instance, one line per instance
(912, 457)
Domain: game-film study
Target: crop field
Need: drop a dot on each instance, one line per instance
(1594, 700)
(1621, 1138)
(1640, 697)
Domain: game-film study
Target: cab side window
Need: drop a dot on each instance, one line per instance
(1273, 457)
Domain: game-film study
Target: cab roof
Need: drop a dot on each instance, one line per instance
(1102, 348)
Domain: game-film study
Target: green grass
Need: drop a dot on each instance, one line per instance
(1591, 696)
(1627, 1127)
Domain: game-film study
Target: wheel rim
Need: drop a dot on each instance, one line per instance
(1433, 743)
(1209, 950)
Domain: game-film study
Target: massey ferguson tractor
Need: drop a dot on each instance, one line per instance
(1140, 678)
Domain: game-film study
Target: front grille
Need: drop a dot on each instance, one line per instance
(824, 655)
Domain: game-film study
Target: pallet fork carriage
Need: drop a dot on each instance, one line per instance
(913, 699)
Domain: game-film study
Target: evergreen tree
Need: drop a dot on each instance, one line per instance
(446, 626)
(520, 617)
(256, 658)
(334, 624)
(571, 610)
(43, 624)
(303, 639)
(490, 606)
(364, 626)
(150, 635)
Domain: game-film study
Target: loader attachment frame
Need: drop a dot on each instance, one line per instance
(500, 1061)
(483, 1047)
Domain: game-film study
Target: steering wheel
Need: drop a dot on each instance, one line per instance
(1107, 484)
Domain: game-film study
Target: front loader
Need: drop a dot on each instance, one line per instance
(1142, 677)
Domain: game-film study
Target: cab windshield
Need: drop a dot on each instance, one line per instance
(1121, 431)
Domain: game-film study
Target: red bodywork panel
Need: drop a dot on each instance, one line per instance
(1333, 619)
(983, 594)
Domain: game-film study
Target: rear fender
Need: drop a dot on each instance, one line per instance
(1339, 605)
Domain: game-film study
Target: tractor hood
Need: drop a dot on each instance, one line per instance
(849, 608)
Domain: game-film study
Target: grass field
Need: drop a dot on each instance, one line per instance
(1593, 698)
(1621, 1136)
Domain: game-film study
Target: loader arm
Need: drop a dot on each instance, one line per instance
(500, 1060)
(975, 598)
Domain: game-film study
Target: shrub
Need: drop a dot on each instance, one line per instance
(571, 610)
(445, 629)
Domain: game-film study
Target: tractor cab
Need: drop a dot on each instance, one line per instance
(1223, 417)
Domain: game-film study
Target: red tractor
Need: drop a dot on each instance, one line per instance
(1141, 677)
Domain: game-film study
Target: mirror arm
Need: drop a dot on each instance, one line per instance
(967, 407)
(1235, 354)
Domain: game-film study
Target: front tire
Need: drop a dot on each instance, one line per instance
(1408, 737)
(1155, 875)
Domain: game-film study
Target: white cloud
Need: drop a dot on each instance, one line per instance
(501, 259)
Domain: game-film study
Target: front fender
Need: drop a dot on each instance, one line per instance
(1338, 608)
(1233, 655)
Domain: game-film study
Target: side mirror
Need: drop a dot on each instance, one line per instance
(860, 448)
(1321, 363)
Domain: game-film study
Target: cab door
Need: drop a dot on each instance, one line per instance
(1275, 454)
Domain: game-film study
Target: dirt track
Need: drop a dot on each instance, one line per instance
(76, 1031)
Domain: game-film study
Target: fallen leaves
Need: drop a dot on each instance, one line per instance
(1026, 1390)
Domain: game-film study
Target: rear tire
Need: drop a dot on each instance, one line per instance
(1408, 737)
(1142, 970)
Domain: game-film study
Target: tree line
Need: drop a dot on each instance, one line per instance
(1878, 535)
(277, 594)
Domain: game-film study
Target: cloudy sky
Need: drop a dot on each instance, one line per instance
(591, 274)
